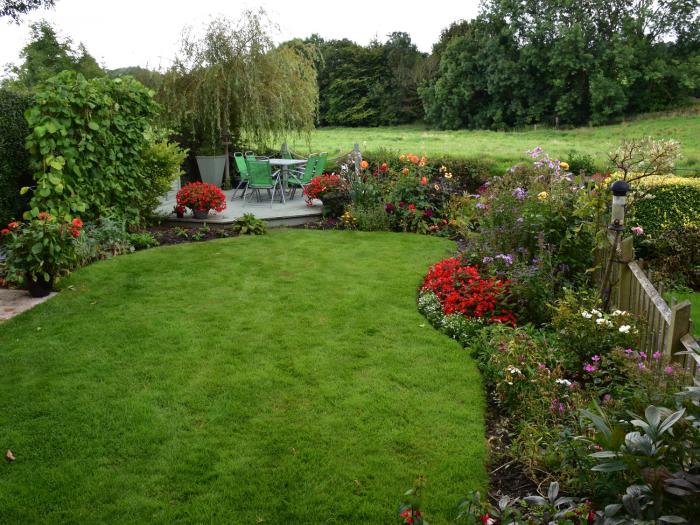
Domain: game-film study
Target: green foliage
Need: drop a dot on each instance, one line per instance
(16, 8)
(369, 85)
(559, 62)
(249, 225)
(86, 147)
(147, 77)
(581, 164)
(14, 161)
(46, 55)
(101, 239)
(42, 248)
(234, 80)
(142, 240)
(670, 203)
(162, 164)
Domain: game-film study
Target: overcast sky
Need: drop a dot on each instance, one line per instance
(121, 33)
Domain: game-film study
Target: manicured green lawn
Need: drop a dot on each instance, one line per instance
(507, 148)
(279, 379)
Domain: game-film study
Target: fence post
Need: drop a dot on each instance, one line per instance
(284, 150)
(625, 284)
(678, 327)
(358, 157)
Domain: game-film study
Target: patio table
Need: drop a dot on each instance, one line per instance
(284, 164)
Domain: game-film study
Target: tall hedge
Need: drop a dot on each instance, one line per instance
(87, 147)
(14, 160)
(672, 203)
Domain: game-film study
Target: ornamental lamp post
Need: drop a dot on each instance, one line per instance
(619, 189)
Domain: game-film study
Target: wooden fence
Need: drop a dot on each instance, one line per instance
(665, 328)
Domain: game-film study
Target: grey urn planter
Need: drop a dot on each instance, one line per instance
(211, 168)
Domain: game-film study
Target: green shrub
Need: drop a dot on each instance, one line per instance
(581, 162)
(86, 147)
(142, 240)
(672, 203)
(249, 224)
(371, 218)
(14, 160)
(162, 163)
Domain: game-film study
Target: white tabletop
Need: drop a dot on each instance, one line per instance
(287, 162)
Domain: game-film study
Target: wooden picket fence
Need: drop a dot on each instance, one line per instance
(665, 328)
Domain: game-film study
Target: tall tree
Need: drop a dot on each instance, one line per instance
(16, 8)
(46, 55)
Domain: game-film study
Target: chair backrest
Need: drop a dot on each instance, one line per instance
(321, 163)
(249, 155)
(309, 169)
(259, 172)
(240, 164)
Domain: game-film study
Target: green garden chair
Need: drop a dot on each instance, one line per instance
(321, 163)
(242, 168)
(260, 177)
(299, 178)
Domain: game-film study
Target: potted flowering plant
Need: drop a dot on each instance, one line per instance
(201, 197)
(39, 250)
(332, 189)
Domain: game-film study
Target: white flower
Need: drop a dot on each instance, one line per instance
(563, 382)
(617, 312)
(513, 370)
(602, 321)
(586, 314)
(625, 328)
(596, 312)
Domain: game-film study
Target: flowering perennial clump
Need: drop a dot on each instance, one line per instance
(322, 185)
(462, 290)
(201, 196)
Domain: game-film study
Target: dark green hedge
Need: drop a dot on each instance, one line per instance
(14, 166)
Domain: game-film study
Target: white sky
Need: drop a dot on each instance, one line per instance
(120, 33)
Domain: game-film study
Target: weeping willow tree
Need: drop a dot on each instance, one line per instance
(234, 80)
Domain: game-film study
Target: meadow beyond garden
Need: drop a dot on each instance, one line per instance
(504, 148)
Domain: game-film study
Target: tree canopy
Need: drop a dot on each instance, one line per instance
(16, 8)
(556, 61)
(233, 79)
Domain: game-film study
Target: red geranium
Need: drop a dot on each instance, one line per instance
(462, 290)
(201, 196)
(322, 184)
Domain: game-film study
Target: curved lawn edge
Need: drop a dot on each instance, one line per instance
(158, 387)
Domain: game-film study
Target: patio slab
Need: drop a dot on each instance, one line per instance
(293, 213)
(14, 302)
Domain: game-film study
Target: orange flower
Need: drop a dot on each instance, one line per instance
(424, 181)
(44, 216)
(405, 171)
(13, 225)
(402, 157)
(364, 164)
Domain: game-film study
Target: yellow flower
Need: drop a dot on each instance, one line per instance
(448, 175)
(402, 157)
(542, 195)
(564, 166)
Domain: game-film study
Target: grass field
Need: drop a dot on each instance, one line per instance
(506, 148)
(279, 379)
(694, 298)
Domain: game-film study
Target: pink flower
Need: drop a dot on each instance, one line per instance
(638, 230)
(656, 355)
(668, 369)
(595, 358)
(642, 355)
(589, 367)
(628, 350)
(641, 365)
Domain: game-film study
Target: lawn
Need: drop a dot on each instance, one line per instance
(507, 148)
(279, 379)
(694, 298)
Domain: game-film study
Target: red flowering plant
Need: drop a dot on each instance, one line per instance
(322, 185)
(201, 196)
(42, 248)
(461, 289)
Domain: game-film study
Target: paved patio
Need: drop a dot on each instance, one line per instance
(14, 302)
(293, 213)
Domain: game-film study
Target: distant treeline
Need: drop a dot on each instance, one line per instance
(518, 63)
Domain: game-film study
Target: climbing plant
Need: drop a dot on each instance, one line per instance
(86, 146)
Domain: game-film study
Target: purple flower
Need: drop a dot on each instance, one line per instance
(506, 258)
(535, 152)
(656, 355)
(487, 260)
(520, 194)
(389, 207)
(589, 367)
(480, 205)
(668, 369)
(428, 213)
(595, 358)
(641, 365)
(628, 350)
(642, 355)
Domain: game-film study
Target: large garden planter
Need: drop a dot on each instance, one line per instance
(211, 168)
(201, 214)
(40, 287)
(334, 204)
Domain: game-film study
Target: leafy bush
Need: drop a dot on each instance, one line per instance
(86, 148)
(142, 240)
(249, 225)
(42, 248)
(581, 164)
(103, 238)
(672, 203)
(162, 161)
(14, 159)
